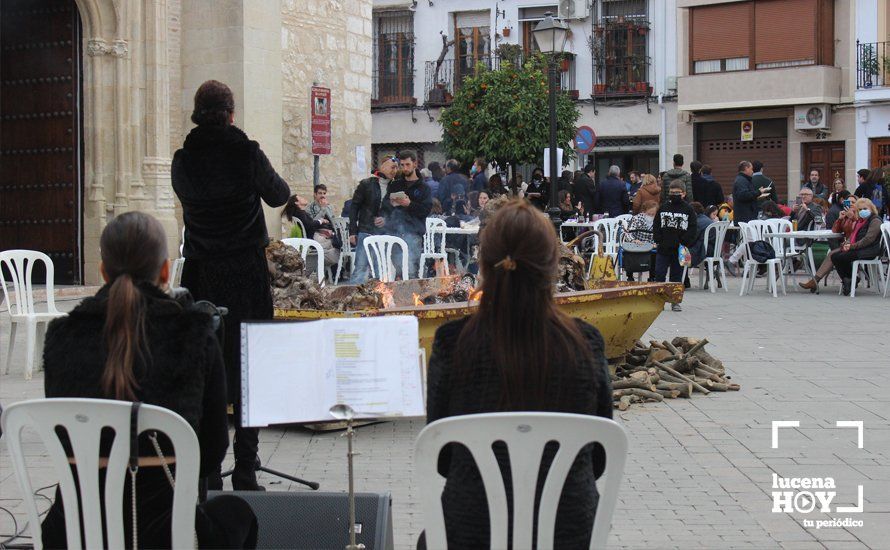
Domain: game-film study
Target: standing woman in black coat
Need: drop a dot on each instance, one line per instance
(519, 352)
(221, 178)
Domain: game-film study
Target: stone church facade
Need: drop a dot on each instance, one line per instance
(133, 67)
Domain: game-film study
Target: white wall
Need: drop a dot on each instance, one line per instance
(872, 111)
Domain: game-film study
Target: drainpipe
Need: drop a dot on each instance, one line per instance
(662, 140)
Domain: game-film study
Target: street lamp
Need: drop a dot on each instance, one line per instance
(550, 35)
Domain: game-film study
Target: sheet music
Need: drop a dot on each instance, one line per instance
(294, 372)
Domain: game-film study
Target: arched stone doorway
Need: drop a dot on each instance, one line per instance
(41, 137)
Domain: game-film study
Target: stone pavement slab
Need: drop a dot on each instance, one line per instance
(699, 472)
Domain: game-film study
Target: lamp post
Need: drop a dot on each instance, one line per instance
(550, 35)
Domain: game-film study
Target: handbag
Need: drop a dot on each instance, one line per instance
(761, 251)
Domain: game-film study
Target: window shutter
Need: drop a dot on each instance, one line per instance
(470, 19)
(721, 31)
(785, 30)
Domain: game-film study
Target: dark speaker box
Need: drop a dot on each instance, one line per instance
(304, 520)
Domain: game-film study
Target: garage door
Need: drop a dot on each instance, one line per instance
(724, 155)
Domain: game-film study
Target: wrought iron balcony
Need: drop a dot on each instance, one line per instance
(444, 78)
(872, 65)
(620, 63)
(393, 88)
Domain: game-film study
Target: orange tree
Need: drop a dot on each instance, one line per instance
(503, 115)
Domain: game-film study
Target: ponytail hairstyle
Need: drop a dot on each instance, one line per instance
(529, 338)
(134, 249)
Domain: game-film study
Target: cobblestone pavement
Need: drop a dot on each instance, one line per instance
(699, 471)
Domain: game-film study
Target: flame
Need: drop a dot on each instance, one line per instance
(385, 295)
(474, 295)
(417, 300)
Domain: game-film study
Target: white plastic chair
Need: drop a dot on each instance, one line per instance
(624, 218)
(716, 233)
(525, 435)
(753, 231)
(382, 247)
(596, 248)
(20, 265)
(433, 245)
(874, 266)
(83, 420)
(341, 228)
(303, 246)
(609, 227)
(885, 231)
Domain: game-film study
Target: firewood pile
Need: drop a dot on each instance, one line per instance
(668, 370)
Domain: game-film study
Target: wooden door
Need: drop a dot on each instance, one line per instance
(829, 159)
(880, 152)
(40, 136)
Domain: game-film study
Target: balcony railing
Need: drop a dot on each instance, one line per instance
(390, 89)
(620, 63)
(445, 78)
(872, 65)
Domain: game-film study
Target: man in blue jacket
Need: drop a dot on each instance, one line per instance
(406, 213)
(612, 194)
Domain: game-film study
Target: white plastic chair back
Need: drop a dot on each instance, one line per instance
(341, 228)
(176, 272)
(716, 233)
(379, 248)
(885, 233)
(624, 218)
(429, 245)
(84, 419)
(525, 435)
(182, 242)
(609, 227)
(20, 264)
(303, 246)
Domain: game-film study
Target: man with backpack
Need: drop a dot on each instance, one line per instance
(677, 174)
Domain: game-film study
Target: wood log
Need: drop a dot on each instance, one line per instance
(684, 388)
(645, 394)
(665, 377)
(672, 372)
(669, 394)
(656, 344)
(708, 376)
(657, 354)
(734, 387)
(633, 383)
(671, 347)
(624, 403)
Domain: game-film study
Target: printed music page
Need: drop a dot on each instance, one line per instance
(295, 372)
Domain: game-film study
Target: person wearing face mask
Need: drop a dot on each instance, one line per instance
(864, 244)
(477, 172)
(536, 192)
(675, 224)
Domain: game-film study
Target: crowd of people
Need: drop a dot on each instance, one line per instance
(133, 341)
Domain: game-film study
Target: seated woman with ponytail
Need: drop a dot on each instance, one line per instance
(519, 352)
(133, 342)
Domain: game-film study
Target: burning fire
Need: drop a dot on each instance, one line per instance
(385, 295)
(417, 300)
(474, 295)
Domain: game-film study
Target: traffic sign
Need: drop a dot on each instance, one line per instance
(585, 139)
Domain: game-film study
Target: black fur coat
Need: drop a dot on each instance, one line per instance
(184, 371)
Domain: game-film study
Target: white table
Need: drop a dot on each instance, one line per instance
(814, 235)
(468, 230)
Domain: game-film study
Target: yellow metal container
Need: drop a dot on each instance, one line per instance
(622, 311)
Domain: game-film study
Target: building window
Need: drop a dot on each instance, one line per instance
(761, 34)
(472, 42)
(620, 52)
(394, 58)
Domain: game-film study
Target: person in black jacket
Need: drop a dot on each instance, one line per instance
(222, 178)
(519, 352)
(453, 186)
(674, 225)
(744, 194)
(406, 215)
(366, 215)
(133, 342)
(611, 195)
(584, 188)
(538, 190)
(763, 184)
(711, 191)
